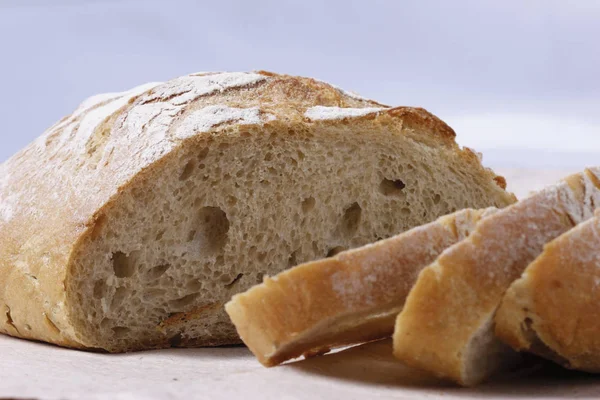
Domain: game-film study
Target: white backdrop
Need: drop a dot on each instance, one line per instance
(519, 74)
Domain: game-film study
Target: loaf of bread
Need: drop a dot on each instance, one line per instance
(351, 298)
(553, 310)
(130, 223)
(446, 326)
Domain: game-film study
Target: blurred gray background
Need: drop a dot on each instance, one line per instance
(516, 76)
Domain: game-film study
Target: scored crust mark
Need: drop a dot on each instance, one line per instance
(210, 117)
(417, 118)
(186, 89)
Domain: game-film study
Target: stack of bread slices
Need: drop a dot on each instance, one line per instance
(462, 296)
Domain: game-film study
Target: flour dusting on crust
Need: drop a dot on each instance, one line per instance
(208, 117)
(188, 88)
(319, 113)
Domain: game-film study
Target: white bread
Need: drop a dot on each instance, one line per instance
(553, 310)
(130, 223)
(351, 298)
(446, 326)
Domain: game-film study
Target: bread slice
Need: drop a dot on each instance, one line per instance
(446, 326)
(132, 221)
(553, 310)
(351, 298)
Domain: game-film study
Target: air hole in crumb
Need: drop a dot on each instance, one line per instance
(234, 281)
(293, 259)
(187, 170)
(120, 331)
(405, 211)
(183, 302)
(259, 277)
(336, 250)
(308, 204)
(194, 285)
(175, 341)
(213, 227)
(160, 235)
(99, 289)
(389, 187)
(158, 271)
(124, 264)
(268, 156)
(351, 220)
(437, 198)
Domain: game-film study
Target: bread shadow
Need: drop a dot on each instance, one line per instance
(373, 364)
(228, 352)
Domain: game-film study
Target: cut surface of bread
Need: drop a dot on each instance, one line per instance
(131, 222)
(553, 310)
(350, 298)
(446, 326)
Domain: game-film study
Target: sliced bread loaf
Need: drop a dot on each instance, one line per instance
(130, 223)
(350, 298)
(446, 326)
(553, 310)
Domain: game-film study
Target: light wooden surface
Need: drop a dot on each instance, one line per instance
(34, 370)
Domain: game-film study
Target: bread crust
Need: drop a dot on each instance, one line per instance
(53, 193)
(351, 298)
(553, 310)
(455, 298)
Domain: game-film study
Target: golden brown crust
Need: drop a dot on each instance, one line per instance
(53, 193)
(554, 309)
(351, 298)
(456, 296)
